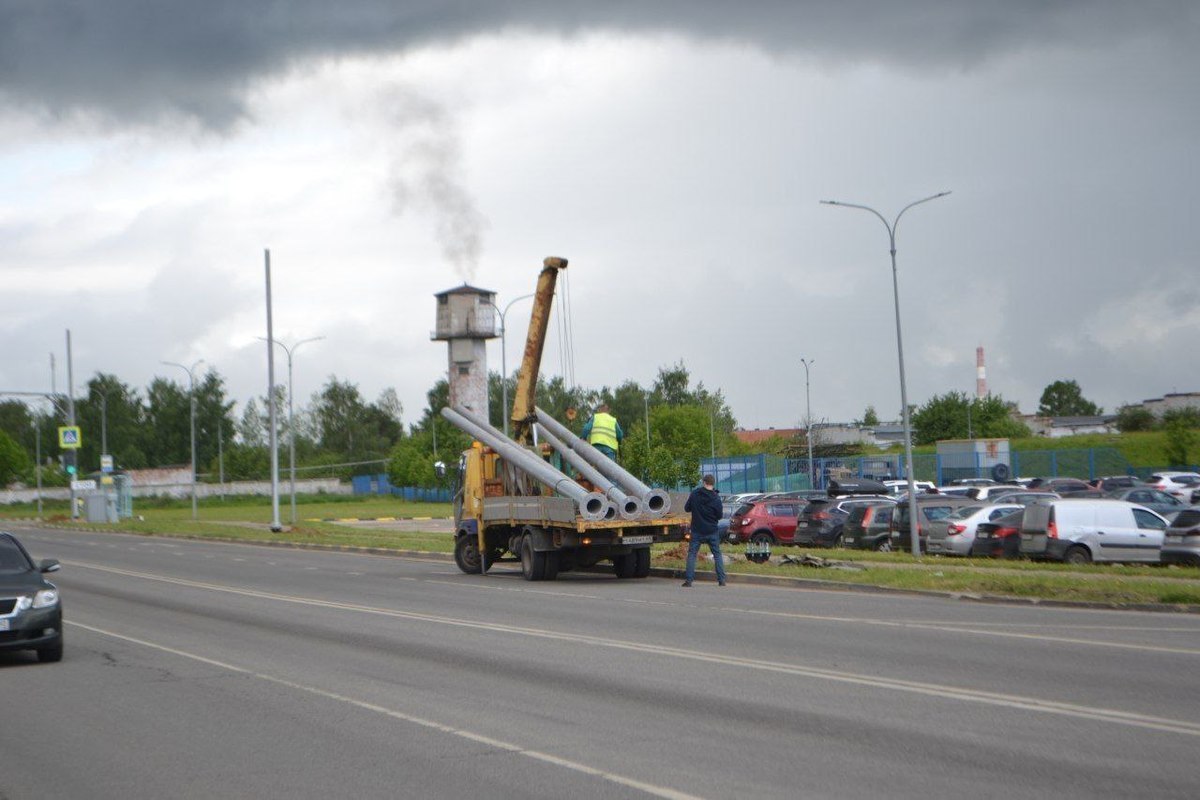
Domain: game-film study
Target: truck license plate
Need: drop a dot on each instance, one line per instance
(637, 539)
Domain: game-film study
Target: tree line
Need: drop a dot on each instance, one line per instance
(153, 429)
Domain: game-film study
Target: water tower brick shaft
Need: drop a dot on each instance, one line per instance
(466, 319)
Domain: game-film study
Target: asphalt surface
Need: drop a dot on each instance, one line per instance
(197, 669)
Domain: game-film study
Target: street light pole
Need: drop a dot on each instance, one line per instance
(504, 352)
(646, 402)
(807, 362)
(192, 420)
(914, 520)
(291, 415)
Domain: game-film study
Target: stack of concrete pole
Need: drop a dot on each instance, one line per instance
(593, 506)
(655, 502)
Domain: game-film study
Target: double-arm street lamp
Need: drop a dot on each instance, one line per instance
(504, 352)
(191, 373)
(914, 520)
(291, 415)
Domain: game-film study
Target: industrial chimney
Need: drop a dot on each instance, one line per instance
(466, 319)
(981, 389)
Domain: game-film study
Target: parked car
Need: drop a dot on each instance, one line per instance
(1180, 484)
(1059, 485)
(822, 520)
(795, 494)
(972, 482)
(1022, 497)
(1111, 483)
(1167, 505)
(767, 521)
(868, 526)
(30, 609)
(896, 487)
(999, 538)
(1181, 544)
(989, 493)
(957, 534)
(1083, 531)
(932, 508)
(728, 509)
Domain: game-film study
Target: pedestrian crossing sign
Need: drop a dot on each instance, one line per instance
(69, 437)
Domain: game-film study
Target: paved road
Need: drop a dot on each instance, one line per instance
(196, 669)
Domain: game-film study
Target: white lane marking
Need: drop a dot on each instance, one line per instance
(883, 623)
(612, 777)
(520, 589)
(946, 627)
(872, 681)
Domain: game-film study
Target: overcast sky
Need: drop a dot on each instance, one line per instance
(675, 152)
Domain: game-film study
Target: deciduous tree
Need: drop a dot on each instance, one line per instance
(1065, 399)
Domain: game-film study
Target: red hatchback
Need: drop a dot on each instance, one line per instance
(766, 521)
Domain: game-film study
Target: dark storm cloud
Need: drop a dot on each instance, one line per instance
(144, 59)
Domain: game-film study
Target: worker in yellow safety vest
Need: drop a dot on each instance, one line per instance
(603, 432)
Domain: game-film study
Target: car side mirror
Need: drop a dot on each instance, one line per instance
(49, 565)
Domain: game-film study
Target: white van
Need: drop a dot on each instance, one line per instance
(1081, 531)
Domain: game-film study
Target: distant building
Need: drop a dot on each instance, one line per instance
(1172, 402)
(1058, 427)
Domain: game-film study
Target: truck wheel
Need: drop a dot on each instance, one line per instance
(641, 562)
(624, 566)
(1078, 555)
(533, 564)
(466, 554)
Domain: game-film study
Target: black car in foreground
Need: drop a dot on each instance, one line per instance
(30, 611)
(999, 538)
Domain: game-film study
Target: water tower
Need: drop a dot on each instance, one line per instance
(466, 319)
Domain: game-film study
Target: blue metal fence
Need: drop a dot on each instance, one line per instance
(771, 473)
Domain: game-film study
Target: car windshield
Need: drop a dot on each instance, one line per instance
(12, 558)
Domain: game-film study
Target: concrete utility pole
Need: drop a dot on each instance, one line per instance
(276, 526)
(914, 526)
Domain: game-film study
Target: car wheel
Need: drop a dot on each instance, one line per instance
(761, 538)
(1078, 555)
(885, 546)
(53, 653)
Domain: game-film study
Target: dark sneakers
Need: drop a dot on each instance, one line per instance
(720, 583)
(687, 584)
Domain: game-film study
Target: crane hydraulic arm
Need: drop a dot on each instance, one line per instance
(523, 413)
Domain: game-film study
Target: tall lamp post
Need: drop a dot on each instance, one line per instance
(812, 480)
(914, 520)
(291, 416)
(504, 353)
(192, 419)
